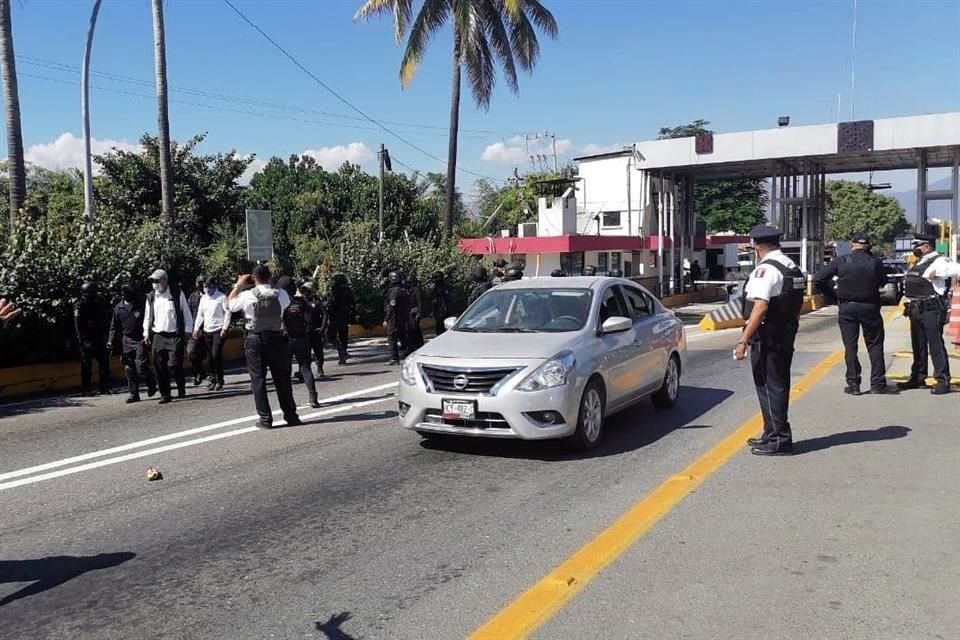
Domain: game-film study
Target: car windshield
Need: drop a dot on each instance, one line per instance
(528, 311)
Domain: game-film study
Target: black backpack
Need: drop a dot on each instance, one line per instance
(296, 319)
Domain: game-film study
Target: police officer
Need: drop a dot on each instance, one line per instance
(481, 283)
(558, 273)
(615, 273)
(212, 325)
(298, 327)
(440, 301)
(513, 272)
(318, 324)
(265, 345)
(499, 270)
(396, 311)
(590, 270)
(89, 322)
(196, 345)
(166, 323)
(772, 301)
(126, 329)
(415, 297)
(925, 290)
(859, 278)
(341, 312)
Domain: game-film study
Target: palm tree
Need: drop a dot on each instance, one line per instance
(163, 116)
(485, 32)
(11, 98)
(85, 115)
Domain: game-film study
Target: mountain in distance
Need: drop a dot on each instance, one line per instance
(908, 199)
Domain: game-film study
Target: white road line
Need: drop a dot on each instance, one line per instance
(173, 436)
(170, 447)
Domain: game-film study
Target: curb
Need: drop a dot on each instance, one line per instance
(729, 317)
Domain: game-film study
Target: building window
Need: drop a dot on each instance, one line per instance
(610, 219)
(615, 261)
(572, 263)
(602, 262)
(520, 258)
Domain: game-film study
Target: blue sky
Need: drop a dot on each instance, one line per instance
(619, 70)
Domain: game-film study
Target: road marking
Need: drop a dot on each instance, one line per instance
(543, 600)
(170, 447)
(172, 436)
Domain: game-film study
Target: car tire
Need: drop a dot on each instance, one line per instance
(590, 417)
(667, 396)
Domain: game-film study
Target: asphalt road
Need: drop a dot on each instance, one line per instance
(345, 527)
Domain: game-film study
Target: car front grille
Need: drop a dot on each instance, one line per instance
(452, 380)
(483, 420)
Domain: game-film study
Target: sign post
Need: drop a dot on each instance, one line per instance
(259, 235)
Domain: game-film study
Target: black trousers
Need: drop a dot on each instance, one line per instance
(771, 374)
(414, 336)
(438, 320)
(196, 352)
(926, 335)
(852, 317)
(301, 353)
(339, 335)
(396, 336)
(136, 367)
(168, 362)
(215, 345)
(270, 351)
(90, 350)
(317, 345)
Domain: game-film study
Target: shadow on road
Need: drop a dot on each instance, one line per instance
(850, 437)
(627, 431)
(50, 572)
(331, 628)
(41, 404)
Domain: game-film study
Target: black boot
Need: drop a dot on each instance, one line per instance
(773, 448)
(942, 388)
(912, 383)
(132, 398)
(313, 401)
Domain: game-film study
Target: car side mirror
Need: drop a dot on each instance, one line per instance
(449, 322)
(616, 324)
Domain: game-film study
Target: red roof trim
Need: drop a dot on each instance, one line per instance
(571, 243)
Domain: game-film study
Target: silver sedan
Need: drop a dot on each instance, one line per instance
(545, 358)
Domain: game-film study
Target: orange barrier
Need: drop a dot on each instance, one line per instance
(953, 328)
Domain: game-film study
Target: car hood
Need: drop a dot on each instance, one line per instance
(498, 346)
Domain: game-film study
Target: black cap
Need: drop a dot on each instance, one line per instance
(765, 233)
(212, 282)
(921, 238)
(860, 237)
(285, 283)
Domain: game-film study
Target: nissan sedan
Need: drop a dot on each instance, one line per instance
(545, 358)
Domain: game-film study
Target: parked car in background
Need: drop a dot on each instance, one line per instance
(892, 289)
(545, 358)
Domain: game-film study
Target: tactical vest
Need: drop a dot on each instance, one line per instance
(915, 286)
(267, 312)
(783, 314)
(857, 279)
(296, 318)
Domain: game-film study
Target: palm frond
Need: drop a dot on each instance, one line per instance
(523, 39)
(402, 10)
(432, 16)
(500, 40)
(476, 54)
(540, 14)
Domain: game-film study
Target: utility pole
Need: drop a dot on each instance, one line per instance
(85, 114)
(385, 165)
(556, 167)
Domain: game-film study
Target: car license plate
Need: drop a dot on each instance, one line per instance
(459, 409)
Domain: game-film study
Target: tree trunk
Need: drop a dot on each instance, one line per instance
(452, 149)
(85, 109)
(11, 98)
(163, 117)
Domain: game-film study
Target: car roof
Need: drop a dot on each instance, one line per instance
(575, 282)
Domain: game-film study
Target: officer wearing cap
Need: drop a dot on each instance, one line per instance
(859, 278)
(925, 290)
(166, 323)
(126, 329)
(772, 300)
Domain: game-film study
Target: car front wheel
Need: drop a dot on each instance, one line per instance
(590, 418)
(666, 397)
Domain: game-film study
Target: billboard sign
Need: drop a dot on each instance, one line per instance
(259, 235)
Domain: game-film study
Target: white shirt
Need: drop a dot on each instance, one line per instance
(211, 314)
(246, 302)
(938, 272)
(166, 314)
(766, 282)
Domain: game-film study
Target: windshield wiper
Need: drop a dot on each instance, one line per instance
(516, 330)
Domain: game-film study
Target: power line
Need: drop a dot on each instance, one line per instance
(339, 97)
(59, 66)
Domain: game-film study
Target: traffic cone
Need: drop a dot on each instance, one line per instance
(953, 328)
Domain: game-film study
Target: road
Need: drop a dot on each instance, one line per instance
(349, 527)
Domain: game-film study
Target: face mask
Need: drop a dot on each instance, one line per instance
(211, 291)
(157, 287)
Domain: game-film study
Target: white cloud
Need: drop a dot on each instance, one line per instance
(66, 152)
(331, 158)
(517, 150)
(502, 153)
(254, 167)
(594, 149)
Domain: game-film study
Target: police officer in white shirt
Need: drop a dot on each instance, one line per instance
(213, 321)
(771, 308)
(166, 323)
(265, 346)
(925, 292)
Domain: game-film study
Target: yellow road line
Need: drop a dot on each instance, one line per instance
(544, 599)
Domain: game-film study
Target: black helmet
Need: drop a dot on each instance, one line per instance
(500, 263)
(201, 279)
(589, 270)
(412, 280)
(479, 273)
(286, 283)
(438, 276)
(339, 278)
(615, 273)
(88, 288)
(394, 277)
(128, 293)
(557, 273)
(513, 273)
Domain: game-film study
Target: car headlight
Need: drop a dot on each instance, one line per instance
(408, 372)
(555, 372)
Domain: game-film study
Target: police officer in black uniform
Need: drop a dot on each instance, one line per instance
(558, 273)
(126, 329)
(440, 301)
(771, 308)
(590, 270)
(415, 298)
(341, 312)
(396, 311)
(513, 272)
(89, 319)
(298, 327)
(318, 325)
(859, 278)
(196, 347)
(481, 283)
